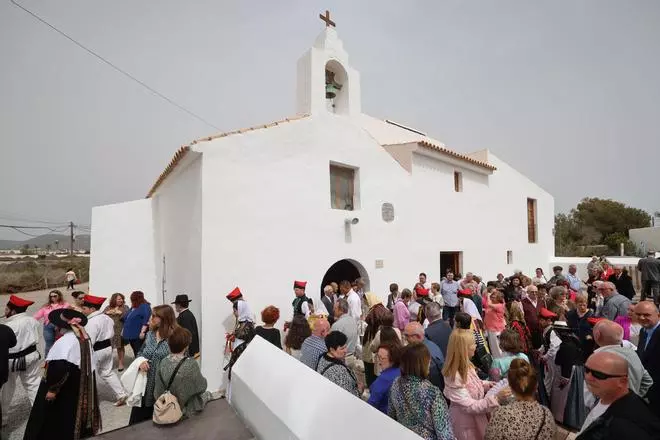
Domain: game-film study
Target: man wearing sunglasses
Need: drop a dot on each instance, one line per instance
(620, 413)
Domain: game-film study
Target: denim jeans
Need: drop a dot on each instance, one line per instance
(448, 313)
(49, 337)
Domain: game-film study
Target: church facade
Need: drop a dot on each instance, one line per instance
(329, 194)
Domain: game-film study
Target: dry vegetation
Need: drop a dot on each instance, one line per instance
(29, 274)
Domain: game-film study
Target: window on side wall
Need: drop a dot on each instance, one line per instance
(342, 187)
(531, 221)
(509, 257)
(458, 181)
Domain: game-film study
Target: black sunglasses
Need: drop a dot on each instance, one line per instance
(600, 375)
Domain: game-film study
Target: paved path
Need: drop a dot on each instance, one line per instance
(19, 410)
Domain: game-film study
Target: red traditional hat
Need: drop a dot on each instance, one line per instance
(594, 321)
(94, 301)
(547, 314)
(234, 294)
(467, 293)
(299, 284)
(422, 291)
(19, 302)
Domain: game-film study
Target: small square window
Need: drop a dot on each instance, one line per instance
(509, 257)
(342, 187)
(458, 181)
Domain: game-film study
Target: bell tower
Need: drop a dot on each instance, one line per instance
(326, 82)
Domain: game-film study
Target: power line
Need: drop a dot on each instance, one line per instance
(26, 227)
(116, 68)
(25, 233)
(9, 216)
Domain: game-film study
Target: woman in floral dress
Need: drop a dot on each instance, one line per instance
(155, 349)
(117, 310)
(415, 402)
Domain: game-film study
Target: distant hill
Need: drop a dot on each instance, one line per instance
(82, 242)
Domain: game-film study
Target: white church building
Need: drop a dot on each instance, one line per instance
(326, 195)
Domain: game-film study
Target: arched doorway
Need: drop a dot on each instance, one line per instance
(346, 269)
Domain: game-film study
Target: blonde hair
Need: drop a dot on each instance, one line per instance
(458, 358)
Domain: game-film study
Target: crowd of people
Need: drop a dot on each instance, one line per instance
(512, 358)
(80, 339)
(461, 358)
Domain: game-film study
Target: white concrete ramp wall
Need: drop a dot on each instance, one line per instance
(278, 397)
(122, 254)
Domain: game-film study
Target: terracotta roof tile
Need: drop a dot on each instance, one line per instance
(178, 157)
(463, 157)
(248, 129)
(181, 152)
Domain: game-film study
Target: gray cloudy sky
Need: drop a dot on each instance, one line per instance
(567, 91)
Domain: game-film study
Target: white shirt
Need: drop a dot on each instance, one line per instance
(305, 309)
(354, 305)
(99, 327)
(70, 275)
(27, 331)
(555, 342)
(413, 308)
(596, 412)
(628, 344)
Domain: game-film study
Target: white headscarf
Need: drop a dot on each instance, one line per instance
(244, 312)
(470, 308)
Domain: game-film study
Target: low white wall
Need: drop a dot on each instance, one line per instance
(581, 263)
(122, 254)
(280, 398)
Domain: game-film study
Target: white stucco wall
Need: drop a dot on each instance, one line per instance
(483, 221)
(258, 388)
(178, 209)
(122, 251)
(267, 218)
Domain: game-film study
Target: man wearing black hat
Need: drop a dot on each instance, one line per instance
(66, 406)
(187, 320)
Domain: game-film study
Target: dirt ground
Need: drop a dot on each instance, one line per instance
(19, 410)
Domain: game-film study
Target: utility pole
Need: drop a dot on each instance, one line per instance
(71, 225)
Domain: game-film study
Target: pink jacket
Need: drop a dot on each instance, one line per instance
(494, 317)
(469, 408)
(42, 314)
(401, 314)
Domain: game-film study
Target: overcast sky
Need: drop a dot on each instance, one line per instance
(566, 91)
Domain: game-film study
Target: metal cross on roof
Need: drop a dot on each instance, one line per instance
(327, 20)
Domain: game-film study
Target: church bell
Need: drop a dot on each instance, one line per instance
(330, 91)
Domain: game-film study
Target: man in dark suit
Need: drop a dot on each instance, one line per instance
(187, 320)
(623, 282)
(438, 330)
(328, 299)
(7, 341)
(649, 348)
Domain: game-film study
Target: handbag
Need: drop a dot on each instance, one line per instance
(167, 410)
